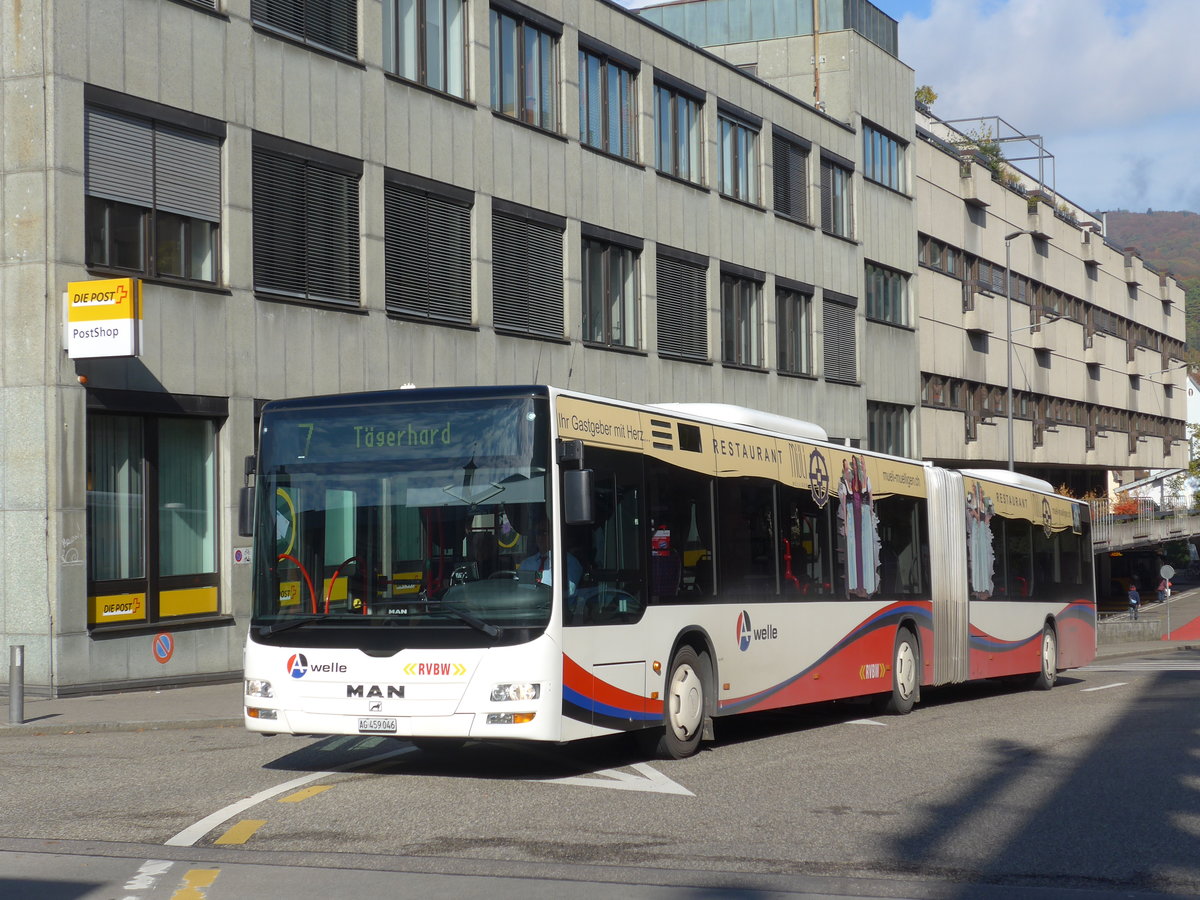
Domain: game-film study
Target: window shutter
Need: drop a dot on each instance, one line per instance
(427, 247)
(187, 174)
(527, 276)
(286, 15)
(333, 23)
(840, 361)
(791, 179)
(279, 224)
(330, 23)
(827, 195)
(682, 309)
(332, 230)
(120, 158)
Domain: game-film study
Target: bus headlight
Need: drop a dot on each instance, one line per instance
(516, 690)
(258, 687)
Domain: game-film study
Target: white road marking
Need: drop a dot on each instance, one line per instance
(1146, 665)
(1105, 687)
(867, 722)
(193, 833)
(650, 780)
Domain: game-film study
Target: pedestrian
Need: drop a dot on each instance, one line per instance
(1164, 591)
(1134, 601)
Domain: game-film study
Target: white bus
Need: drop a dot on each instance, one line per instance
(699, 561)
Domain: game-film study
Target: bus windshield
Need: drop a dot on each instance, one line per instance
(401, 515)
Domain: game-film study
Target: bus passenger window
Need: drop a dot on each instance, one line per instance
(805, 545)
(681, 525)
(746, 527)
(611, 550)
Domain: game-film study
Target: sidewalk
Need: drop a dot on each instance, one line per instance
(198, 706)
(220, 705)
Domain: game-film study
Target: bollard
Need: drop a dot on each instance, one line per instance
(16, 684)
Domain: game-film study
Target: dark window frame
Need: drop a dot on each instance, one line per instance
(394, 42)
(328, 25)
(296, 190)
(427, 250)
(626, 143)
(168, 161)
(546, 114)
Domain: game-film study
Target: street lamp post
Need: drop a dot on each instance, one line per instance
(1008, 239)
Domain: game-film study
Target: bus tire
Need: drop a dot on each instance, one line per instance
(685, 706)
(1048, 674)
(906, 674)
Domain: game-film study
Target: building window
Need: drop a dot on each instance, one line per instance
(887, 295)
(527, 271)
(427, 250)
(610, 293)
(153, 197)
(793, 323)
(887, 428)
(836, 200)
(328, 24)
(306, 227)
(423, 41)
(606, 105)
(741, 320)
(681, 284)
(790, 169)
(841, 362)
(677, 137)
(151, 518)
(524, 70)
(737, 153)
(883, 158)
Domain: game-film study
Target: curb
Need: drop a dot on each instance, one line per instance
(35, 729)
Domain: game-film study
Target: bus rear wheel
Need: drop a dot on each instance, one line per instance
(1044, 679)
(906, 674)
(685, 706)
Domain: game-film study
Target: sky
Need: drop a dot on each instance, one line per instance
(1111, 86)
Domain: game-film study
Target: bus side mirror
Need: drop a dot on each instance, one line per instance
(246, 499)
(246, 511)
(577, 497)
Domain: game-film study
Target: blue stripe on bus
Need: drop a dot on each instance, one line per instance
(596, 707)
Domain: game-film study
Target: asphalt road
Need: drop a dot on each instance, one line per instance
(1090, 790)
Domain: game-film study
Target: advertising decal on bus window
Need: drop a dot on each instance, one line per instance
(729, 452)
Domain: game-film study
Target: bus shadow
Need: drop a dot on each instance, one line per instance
(1121, 814)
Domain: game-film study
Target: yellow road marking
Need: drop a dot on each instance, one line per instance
(194, 881)
(305, 794)
(240, 833)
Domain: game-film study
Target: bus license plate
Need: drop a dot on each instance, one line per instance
(377, 726)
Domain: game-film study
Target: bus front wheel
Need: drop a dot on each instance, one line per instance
(685, 706)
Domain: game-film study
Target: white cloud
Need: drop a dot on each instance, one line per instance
(1112, 87)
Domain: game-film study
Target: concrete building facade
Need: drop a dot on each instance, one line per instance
(317, 196)
(345, 195)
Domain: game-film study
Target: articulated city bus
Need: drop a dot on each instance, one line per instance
(528, 563)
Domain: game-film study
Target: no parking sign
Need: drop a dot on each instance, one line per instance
(164, 647)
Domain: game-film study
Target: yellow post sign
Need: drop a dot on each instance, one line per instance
(104, 318)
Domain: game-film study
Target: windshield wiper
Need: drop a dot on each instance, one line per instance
(470, 618)
(268, 630)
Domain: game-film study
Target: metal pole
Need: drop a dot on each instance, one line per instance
(1008, 320)
(16, 684)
